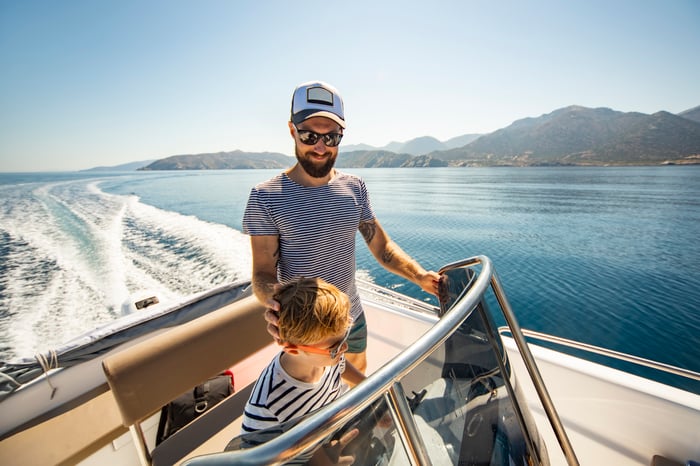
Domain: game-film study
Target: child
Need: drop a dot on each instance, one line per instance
(314, 323)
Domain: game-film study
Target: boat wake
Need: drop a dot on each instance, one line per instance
(71, 255)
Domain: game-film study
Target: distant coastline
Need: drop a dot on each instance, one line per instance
(570, 136)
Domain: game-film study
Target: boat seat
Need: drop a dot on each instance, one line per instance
(148, 375)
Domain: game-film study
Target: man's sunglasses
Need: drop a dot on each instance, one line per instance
(310, 138)
(332, 351)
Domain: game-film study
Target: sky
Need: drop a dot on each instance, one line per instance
(86, 83)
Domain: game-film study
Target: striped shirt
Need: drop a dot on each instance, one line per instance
(278, 397)
(316, 227)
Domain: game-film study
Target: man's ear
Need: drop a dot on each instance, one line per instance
(291, 128)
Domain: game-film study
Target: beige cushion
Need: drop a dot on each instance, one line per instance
(152, 373)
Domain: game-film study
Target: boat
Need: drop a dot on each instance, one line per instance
(459, 383)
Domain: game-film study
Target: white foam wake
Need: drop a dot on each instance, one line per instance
(73, 254)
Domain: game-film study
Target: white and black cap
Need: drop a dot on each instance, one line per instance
(317, 99)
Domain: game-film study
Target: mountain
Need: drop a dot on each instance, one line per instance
(354, 147)
(583, 136)
(462, 140)
(691, 114)
(121, 168)
(222, 160)
(371, 159)
(417, 146)
(424, 161)
(423, 145)
(385, 159)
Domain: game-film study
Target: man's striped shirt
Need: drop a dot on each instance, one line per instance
(316, 227)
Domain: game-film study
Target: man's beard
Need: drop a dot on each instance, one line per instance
(314, 170)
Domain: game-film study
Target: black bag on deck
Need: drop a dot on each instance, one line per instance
(188, 406)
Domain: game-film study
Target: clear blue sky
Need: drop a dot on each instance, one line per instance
(88, 83)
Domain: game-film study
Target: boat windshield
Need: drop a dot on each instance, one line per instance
(452, 402)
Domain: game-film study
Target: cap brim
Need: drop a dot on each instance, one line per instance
(309, 113)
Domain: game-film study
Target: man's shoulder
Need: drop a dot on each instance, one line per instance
(273, 183)
(347, 178)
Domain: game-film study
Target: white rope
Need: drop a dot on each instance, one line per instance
(46, 365)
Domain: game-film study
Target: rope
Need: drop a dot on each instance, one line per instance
(46, 365)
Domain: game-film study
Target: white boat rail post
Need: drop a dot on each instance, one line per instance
(406, 426)
(534, 372)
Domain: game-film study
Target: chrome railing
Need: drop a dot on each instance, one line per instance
(385, 383)
(586, 347)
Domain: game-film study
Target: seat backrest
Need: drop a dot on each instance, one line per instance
(150, 374)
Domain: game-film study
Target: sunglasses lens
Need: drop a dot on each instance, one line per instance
(310, 138)
(332, 139)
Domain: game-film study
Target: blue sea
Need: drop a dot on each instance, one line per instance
(608, 256)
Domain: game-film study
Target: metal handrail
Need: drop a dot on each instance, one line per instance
(324, 422)
(331, 417)
(656, 365)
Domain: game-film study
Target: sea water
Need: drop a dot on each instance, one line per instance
(608, 256)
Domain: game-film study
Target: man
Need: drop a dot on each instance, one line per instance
(303, 221)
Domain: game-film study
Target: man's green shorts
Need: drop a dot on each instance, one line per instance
(357, 340)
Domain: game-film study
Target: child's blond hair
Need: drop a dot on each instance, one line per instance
(311, 310)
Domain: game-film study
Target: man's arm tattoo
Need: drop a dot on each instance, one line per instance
(368, 230)
(387, 256)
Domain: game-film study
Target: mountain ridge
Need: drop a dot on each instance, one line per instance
(122, 167)
(232, 160)
(578, 135)
(691, 114)
(417, 146)
(573, 135)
